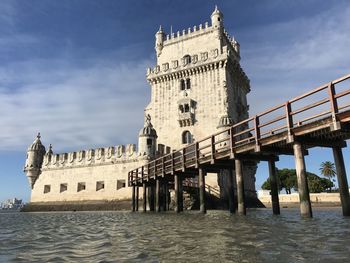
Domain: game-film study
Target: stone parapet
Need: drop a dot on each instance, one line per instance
(92, 157)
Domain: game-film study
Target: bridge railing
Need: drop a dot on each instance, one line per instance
(320, 103)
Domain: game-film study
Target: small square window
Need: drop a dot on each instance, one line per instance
(120, 184)
(47, 189)
(100, 185)
(63, 187)
(81, 187)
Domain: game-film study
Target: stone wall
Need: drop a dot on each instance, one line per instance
(100, 174)
(316, 198)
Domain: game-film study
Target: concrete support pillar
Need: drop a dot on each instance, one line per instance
(137, 199)
(274, 188)
(144, 197)
(151, 197)
(342, 180)
(178, 193)
(158, 193)
(303, 189)
(166, 196)
(133, 207)
(231, 192)
(240, 188)
(201, 181)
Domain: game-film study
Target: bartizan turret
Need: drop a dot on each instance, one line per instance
(217, 19)
(159, 41)
(148, 139)
(35, 155)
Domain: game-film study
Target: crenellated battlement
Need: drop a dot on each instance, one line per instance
(187, 33)
(91, 157)
(195, 32)
(226, 48)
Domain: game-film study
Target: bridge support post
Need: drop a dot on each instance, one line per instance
(342, 180)
(158, 193)
(144, 197)
(240, 188)
(162, 196)
(151, 197)
(231, 192)
(201, 181)
(303, 189)
(137, 199)
(178, 193)
(274, 188)
(133, 207)
(167, 196)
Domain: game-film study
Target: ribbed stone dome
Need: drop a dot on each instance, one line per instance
(37, 145)
(225, 121)
(148, 131)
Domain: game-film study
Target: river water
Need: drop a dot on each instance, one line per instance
(169, 237)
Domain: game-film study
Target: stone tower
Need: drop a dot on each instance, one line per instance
(35, 155)
(197, 83)
(198, 88)
(147, 139)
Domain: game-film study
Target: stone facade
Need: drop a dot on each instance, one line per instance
(198, 88)
(99, 174)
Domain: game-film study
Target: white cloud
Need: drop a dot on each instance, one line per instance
(286, 59)
(73, 108)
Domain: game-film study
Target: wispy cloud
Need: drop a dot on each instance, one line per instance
(285, 59)
(98, 105)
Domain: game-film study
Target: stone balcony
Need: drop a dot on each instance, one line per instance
(186, 119)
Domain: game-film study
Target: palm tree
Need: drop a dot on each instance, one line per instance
(327, 169)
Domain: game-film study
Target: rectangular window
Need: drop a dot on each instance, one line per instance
(63, 187)
(120, 184)
(100, 185)
(149, 142)
(188, 84)
(187, 108)
(81, 186)
(47, 189)
(182, 84)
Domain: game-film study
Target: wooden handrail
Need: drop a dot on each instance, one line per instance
(194, 152)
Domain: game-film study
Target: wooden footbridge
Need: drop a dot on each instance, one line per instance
(320, 117)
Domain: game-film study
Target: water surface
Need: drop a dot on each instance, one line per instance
(169, 237)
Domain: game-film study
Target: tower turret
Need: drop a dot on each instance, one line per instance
(148, 139)
(217, 18)
(159, 41)
(35, 155)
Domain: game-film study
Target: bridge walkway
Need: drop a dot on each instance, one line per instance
(318, 118)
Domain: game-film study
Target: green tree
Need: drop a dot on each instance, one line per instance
(287, 179)
(266, 185)
(327, 169)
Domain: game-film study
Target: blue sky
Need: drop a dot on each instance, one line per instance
(75, 70)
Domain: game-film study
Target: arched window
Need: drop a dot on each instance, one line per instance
(186, 137)
(185, 84)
